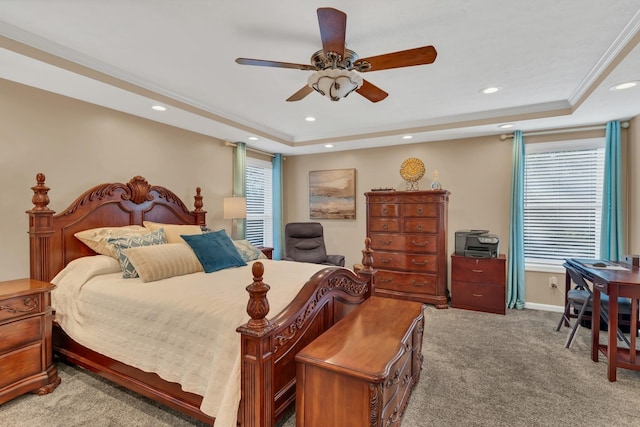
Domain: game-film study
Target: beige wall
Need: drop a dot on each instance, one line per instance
(78, 145)
(476, 171)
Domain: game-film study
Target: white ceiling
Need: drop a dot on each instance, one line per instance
(554, 60)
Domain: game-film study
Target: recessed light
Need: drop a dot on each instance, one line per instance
(328, 145)
(488, 90)
(625, 85)
(253, 138)
(506, 126)
(407, 137)
(310, 119)
(159, 108)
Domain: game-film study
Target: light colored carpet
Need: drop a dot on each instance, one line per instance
(479, 370)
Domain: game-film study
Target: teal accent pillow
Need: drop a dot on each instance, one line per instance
(214, 250)
(121, 243)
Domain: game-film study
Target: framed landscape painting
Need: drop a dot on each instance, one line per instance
(332, 194)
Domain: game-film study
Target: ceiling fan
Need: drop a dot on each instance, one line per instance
(337, 67)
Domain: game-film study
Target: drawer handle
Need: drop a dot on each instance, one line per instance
(477, 295)
(419, 262)
(384, 227)
(416, 283)
(478, 271)
(385, 261)
(384, 242)
(419, 211)
(414, 243)
(384, 279)
(419, 227)
(385, 211)
(394, 380)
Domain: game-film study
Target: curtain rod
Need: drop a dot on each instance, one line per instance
(551, 132)
(231, 144)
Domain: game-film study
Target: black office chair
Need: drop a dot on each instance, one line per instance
(304, 242)
(580, 299)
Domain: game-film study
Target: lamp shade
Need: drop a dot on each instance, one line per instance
(234, 207)
(335, 83)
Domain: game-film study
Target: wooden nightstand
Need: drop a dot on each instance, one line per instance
(267, 251)
(26, 362)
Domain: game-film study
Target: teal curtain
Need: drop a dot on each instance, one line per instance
(612, 226)
(278, 218)
(240, 182)
(515, 257)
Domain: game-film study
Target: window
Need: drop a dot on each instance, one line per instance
(259, 224)
(562, 200)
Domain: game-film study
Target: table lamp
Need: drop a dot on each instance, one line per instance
(234, 208)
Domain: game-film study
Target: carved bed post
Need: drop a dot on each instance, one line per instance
(256, 404)
(198, 212)
(40, 231)
(367, 264)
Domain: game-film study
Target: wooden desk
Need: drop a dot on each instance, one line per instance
(614, 283)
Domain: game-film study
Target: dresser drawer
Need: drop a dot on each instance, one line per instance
(19, 306)
(478, 270)
(406, 282)
(384, 210)
(420, 210)
(384, 225)
(395, 388)
(15, 334)
(478, 296)
(406, 262)
(20, 364)
(417, 243)
(421, 226)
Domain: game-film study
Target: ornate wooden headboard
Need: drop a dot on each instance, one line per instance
(52, 243)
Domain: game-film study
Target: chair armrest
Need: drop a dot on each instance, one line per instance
(336, 260)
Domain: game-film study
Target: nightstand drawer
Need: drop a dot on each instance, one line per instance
(20, 364)
(15, 334)
(19, 306)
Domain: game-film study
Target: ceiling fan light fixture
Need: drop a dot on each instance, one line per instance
(335, 83)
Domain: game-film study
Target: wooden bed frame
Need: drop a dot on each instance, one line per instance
(268, 346)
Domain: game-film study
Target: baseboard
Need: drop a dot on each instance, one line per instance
(544, 307)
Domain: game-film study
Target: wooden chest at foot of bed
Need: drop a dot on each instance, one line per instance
(25, 339)
(362, 370)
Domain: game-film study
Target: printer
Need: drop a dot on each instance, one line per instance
(477, 244)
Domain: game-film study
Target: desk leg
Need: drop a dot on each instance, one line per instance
(612, 349)
(595, 325)
(567, 287)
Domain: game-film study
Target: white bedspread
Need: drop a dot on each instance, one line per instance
(182, 328)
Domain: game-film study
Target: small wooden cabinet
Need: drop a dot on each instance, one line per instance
(478, 283)
(26, 361)
(408, 231)
(362, 370)
(268, 252)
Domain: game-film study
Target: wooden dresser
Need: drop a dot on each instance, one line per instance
(408, 231)
(479, 283)
(26, 363)
(362, 370)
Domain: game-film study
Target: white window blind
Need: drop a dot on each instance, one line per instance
(259, 223)
(562, 200)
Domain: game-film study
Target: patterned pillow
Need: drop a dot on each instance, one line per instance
(162, 261)
(96, 238)
(121, 243)
(173, 231)
(247, 251)
(215, 251)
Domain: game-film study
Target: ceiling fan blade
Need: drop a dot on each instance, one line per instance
(304, 91)
(404, 58)
(333, 26)
(372, 92)
(265, 63)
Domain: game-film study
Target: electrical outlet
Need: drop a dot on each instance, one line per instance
(553, 282)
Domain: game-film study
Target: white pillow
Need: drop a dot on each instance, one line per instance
(163, 261)
(97, 238)
(173, 231)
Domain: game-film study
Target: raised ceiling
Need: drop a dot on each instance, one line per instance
(554, 61)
